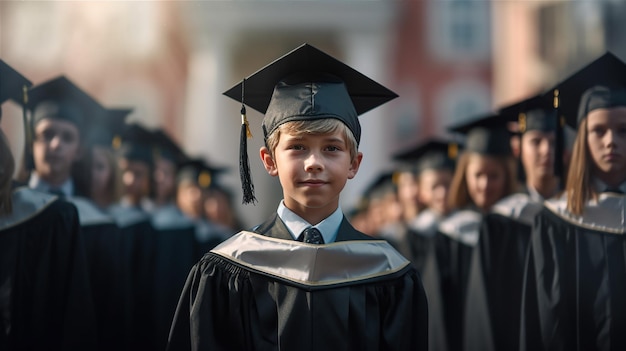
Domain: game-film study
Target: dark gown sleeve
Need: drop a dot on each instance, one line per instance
(574, 288)
(492, 315)
(48, 294)
(228, 307)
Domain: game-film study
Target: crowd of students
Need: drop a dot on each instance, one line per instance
(506, 235)
(142, 213)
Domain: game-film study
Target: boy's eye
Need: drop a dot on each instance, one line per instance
(296, 147)
(332, 148)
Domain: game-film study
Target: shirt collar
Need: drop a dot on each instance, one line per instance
(328, 227)
(36, 183)
(601, 186)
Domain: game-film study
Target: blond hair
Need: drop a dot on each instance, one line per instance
(459, 194)
(6, 176)
(315, 126)
(578, 187)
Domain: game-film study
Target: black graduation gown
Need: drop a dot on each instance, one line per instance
(175, 253)
(45, 300)
(446, 273)
(269, 292)
(421, 236)
(494, 293)
(109, 274)
(574, 294)
(139, 249)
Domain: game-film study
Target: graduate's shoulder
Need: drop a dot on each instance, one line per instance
(28, 204)
(425, 223)
(88, 213)
(170, 217)
(462, 225)
(519, 207)
(604, 214)
(313, 266)
(125, 216)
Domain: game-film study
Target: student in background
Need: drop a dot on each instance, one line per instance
(575, 276)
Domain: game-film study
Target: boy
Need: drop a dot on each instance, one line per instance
(265, 289)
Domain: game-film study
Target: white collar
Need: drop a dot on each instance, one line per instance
(35, 182)
(328, 227)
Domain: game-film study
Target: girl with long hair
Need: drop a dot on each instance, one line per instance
(575, 279)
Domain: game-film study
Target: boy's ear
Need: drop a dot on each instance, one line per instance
(354, 165)
(268, 161)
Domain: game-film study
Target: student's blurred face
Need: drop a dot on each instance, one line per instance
(486, 180)
(312, 169)
(189, 199)
(101, 171)
(434, 186)
(164, 179)
(217, 208)
(538, 153)
(408, 189)
(56, 146)
(606, 139)
(135, 179)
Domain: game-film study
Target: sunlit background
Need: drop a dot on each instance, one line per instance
(171, 61)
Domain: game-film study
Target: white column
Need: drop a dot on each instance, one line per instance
(368, 52)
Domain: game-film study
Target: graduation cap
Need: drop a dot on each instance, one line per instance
(165, 147)
(137, 144)
(534, 113)
(60, 98)
(108, 128)
(198, 171)
(13, 86)
(433, 154)
(486, 135)
(599, 84)
(304, 84)
(383, 184)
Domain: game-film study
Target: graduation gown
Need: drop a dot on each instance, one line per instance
(575, 280)
(494, 291)
(45, 300)
(420, 237)
(268, 292)
(446, 274)
(139, 249)
(176, 251)
(109, 274)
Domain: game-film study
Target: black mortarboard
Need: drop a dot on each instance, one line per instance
(165, 147)
(13, 86)
(433, 154)
(137, 144)
(600, 84)
(198, 171)
(60, 98)
(384, 183)
(305, 84)
(108, 128)
(534, 113)
(485, 135)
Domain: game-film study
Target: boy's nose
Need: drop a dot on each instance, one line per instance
(313, 163)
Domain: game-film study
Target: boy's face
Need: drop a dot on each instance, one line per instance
(56, 146)
(313, 169)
